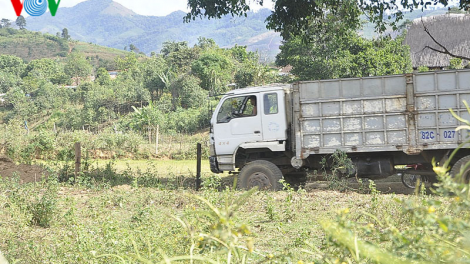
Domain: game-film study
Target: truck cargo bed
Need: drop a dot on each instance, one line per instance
(408, 113)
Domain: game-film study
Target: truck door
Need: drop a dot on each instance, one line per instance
(273, 116)
(238, 121)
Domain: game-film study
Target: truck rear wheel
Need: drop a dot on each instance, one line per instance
(461, 170)
(261, 173)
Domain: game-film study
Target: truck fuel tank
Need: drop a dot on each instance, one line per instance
(374, 168)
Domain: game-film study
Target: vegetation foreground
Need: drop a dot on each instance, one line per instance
(106, 216)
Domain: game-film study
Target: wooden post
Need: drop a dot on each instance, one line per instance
(198, 169)
(156, 140)
(78, 158)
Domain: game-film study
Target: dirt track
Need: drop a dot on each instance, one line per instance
(27, 173)
(385, 187)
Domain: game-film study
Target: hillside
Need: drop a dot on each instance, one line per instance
(30, 45)
(108, 23)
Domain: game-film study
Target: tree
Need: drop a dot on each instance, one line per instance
(44, 69)
(65, 34)
(214, 69)
(178, 55)
(334, 56)
(294, 17)
(102, 76)
(153, 70)
(133, 48)
(5, 23)
(77, 67)
(11, 64)
(126, 63)
(206, 43)
(21, 22)
(187, 93)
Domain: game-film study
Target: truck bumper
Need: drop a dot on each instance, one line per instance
(214, 165)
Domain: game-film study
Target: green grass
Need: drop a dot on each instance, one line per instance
(162, 167)
(148, 212)
(106, 224)
(89, 223)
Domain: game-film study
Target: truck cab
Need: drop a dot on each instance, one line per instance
(247, 120)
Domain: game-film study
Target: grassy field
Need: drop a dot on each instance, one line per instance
(162, 167)
(143, 219)
(124, 220)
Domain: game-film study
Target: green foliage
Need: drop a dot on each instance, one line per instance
(21, 22)
(178, 55)
(9, 81)
(43, 207)
(65, 34)
(102, 77)
(213, 182)
(77, 67)
(110, 140)
(11, 64)
(214, 69)
(187, 93)
(187, 120)
(23, 107)
(456, 63)
(50, 97)
(45, 69)
(295, 17)
(330, 55)
(5, 23)
(336, 168)
(423, 69)
(126, 63)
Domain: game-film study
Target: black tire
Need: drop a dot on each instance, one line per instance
(410, 180)
(461, 164)
(261, 173)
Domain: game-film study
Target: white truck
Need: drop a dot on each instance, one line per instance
(263, 133)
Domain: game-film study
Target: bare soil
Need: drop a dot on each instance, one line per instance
(27, 173)
(391, 184)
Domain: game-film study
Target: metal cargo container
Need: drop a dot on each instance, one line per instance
(408, 113)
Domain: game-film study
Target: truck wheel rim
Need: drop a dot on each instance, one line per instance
(259, 179)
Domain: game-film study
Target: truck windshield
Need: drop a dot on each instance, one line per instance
(234, 107)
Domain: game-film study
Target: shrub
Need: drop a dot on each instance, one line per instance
(43, 207)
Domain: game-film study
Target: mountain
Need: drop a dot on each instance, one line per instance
(108, 23)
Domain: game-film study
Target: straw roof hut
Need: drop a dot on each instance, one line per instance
(450, 30)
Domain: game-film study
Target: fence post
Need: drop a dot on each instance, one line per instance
(198, 170)
(78, 158)
(156, 140)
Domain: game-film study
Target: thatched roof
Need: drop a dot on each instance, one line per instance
(451, 30)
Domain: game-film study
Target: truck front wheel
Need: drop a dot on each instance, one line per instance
(261, 173)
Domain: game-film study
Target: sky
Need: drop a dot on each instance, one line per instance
(141, 7)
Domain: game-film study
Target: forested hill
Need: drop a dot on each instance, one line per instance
(108, 23)
(30, 45)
